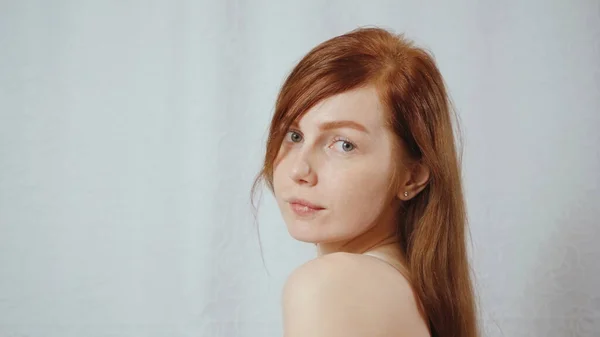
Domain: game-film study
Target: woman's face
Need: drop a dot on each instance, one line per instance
(338, 157)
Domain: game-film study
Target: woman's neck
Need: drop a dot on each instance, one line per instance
(355, 246)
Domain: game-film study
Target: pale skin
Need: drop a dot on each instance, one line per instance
(340, 156)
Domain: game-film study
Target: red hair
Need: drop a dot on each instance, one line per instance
(432, 225)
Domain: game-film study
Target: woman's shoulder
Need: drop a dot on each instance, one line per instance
(356, 268)
(344, 294)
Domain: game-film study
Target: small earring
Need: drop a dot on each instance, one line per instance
(406, 194)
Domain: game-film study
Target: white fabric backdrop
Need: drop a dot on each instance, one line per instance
(130, 133)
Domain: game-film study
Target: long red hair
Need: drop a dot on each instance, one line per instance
(432, 225)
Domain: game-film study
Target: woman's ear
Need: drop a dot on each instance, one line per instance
(418, 178)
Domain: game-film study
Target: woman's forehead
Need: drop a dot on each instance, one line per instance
(360, 105)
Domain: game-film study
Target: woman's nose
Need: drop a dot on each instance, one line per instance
(302, 172)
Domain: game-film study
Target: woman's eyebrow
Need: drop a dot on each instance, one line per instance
(338, 125)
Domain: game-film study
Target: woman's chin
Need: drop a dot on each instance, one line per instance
(305, 234)
(310, 235)
(304, 237)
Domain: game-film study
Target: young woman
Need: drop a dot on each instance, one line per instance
(362, 161)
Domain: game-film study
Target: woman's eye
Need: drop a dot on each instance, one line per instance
(295, 136)
(345, 146)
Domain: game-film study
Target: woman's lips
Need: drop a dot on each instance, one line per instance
(304, 208)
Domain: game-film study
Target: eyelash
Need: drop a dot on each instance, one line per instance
(335, 140)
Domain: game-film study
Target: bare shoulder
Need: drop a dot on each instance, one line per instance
(344, 294)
